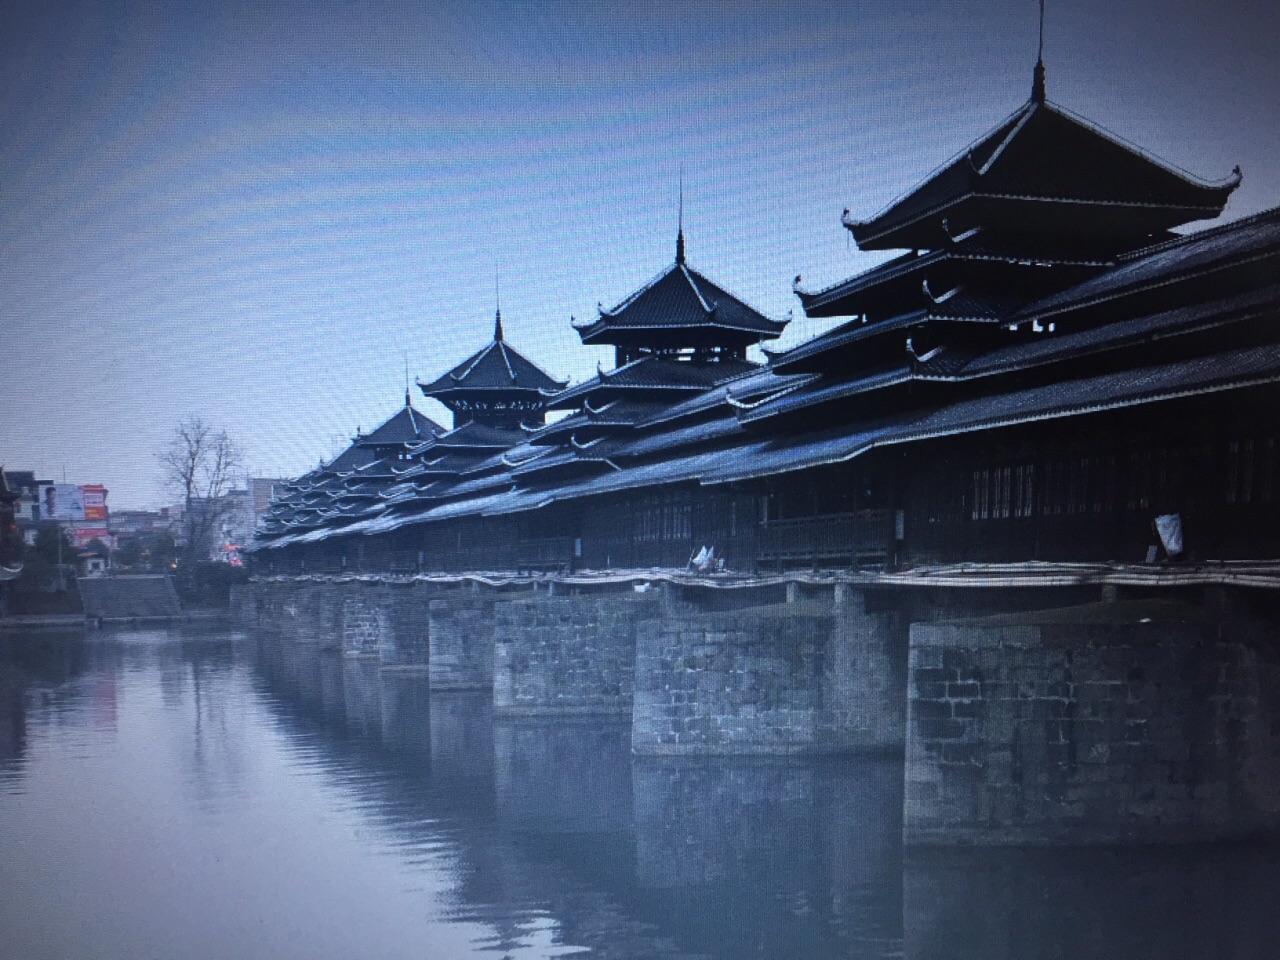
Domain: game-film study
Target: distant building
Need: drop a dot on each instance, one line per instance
(91, 562)
(127, 523)
(261, 492)
(27, 511)
(234, 519)
(10, 536)
(81, 509)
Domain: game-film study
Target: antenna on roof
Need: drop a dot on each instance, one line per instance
(680, 227)
(1037, 77)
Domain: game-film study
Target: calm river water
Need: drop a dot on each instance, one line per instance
(196, 792)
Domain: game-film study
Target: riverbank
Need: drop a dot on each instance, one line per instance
(63, 621)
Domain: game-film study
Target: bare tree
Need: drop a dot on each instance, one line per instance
(199, 464)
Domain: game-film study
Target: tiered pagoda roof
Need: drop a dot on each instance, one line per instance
(1044, 202)
(677, 337)
(352, 482)
(680, 310)
(1050, 171)
(1042, 281)
(492, 394)
(497, 385)
(407, 428)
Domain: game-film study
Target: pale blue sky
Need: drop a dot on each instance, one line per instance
(252, 212)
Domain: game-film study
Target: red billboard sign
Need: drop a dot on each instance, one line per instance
(94, 496)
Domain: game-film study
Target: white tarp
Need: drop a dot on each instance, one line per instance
(1169, 527)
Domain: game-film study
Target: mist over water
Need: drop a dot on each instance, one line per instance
(187, 792)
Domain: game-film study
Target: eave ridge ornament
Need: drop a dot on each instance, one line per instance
(962, 236)
(708, 308)
(943, 298)
(737, 404)
(849, 221)
(502, 348)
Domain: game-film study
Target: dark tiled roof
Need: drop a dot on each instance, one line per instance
(476, 435)
(845, 335)
(654, 444)
(1044, 152)
(1050, 347)
(825, 391)
(1224, 246)
(407, 426)
(478, 485)
(589, 458)
(1233, 369)
(497, 367)
(622, 412)
(842, 298)
(680, 298)
(352, 458)
(742, 390)
(660, 374)
(504, 459)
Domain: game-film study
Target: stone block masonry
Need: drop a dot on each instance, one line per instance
(364, 620)
(386, 622)
(569, 655)
(460, 627)
(406, 644)
(1130, 720)
(1116, 723)
(789, 678)
(296, 610)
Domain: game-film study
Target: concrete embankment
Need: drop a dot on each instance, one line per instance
(143, 597)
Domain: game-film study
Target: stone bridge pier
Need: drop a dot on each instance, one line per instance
(460, 623)
(1131, 721)
(1127, 720)
(806, 674)
(570, 654)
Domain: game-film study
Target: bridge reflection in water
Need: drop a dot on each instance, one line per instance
(556, 822)
(536, 838)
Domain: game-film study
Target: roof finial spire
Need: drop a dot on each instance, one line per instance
(1037, 77)
(680, 227)
(497, 314)
(407, 401)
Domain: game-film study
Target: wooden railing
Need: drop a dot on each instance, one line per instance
(865, 536)
(544, 552)
(540, 554)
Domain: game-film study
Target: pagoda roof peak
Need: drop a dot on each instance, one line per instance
(1044, 154)
(679, 299)
(497, 366)
(1037, 75)
(407, 425)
